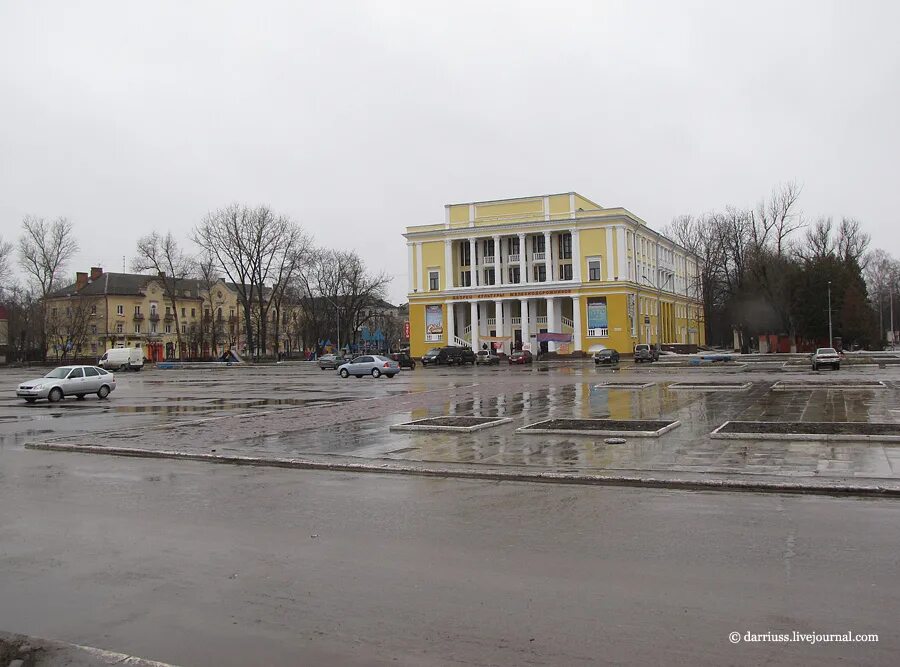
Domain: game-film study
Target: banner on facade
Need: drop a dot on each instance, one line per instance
(554, 337)
(406, 330)
(434, 323)
(596, 313)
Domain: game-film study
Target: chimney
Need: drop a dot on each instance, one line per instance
(96, 272)
(81, 280)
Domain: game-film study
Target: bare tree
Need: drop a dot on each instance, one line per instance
(44, 250)
(254, 247)
(776, 218)
(5, 252)
(67, 326)
(208, 276)
(163, 256)
(851, 242)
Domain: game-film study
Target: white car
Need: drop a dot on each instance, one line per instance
(370, 364)
(68, 381)
(826, 356)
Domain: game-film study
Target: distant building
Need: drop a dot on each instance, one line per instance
(555, 273)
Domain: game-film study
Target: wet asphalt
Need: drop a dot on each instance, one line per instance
(198, 564)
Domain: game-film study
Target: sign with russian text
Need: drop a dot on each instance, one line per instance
(596, 313)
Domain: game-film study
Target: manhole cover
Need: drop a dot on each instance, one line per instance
(622, 384)
(808, 431)
(711, 386)
(641, 428)
(837, 385)
(454, 423)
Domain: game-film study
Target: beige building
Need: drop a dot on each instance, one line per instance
(101, 310)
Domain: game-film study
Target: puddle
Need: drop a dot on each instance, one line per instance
(646, 428)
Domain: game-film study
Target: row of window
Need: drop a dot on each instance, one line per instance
(537, 242)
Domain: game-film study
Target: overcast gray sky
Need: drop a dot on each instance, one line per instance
(358, 119)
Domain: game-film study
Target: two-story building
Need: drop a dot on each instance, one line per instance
(552, 273)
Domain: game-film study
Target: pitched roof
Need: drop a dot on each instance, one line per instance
(126, 284)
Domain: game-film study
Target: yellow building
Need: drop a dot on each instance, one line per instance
(101, 310)
(553, 273)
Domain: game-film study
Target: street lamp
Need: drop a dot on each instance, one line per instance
(658, 288)
(830, 337)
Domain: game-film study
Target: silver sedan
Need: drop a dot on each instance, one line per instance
(370, 364)
(68, 381)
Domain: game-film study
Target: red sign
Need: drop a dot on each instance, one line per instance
(406, 330)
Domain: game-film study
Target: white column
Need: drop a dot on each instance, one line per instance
(474, 319)
(498, 316)
(411, 267)
(498, 274)
(576, 320)
(472, 261)
(548, 253)
(451, 322)
(419, 270)
(507, 319)
(526, 330)
(448, 264)
(622, 268)
(551, 321)
(577, 259)
(523, 267)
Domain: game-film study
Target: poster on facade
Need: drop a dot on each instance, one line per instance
(434, 323)
(596, 313)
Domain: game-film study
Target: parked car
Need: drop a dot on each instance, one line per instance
(68, 381)
(450, 355)
(644, 352)
(826, 356)
(606, 356)
(521, 357)
(404, 360)
(331, 361)
(122, 358)
(487, 358)
(369, 364)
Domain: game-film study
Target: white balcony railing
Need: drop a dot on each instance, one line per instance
(541, 319)
(602, 332)
(512, 259)
(492, 321)
(460, 342)
(489, 259)
(516, 320)
(539, 256)
(568, 322)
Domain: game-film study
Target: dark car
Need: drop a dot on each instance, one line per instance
(521, 357)
(404, 360)
(606, 356)
(448, 356)
(644, 352)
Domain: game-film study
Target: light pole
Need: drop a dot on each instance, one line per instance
(891, 293)
(830, 337)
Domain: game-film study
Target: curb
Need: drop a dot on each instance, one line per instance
(700, 483)
(35, 650)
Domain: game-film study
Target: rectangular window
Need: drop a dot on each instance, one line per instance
(565, 245)
(488, 247)
(193, 312)
(53, 312)
(182, 312)
(206, 313)
(514, 245)
(434, 281)
(537, 243)
(137, 327)
(137, 310)
(464, 253)
(94, 309)
(540, 273)
(514, 274)
(465, 279)
(153, 327)
(565, 272)
(93, 328)
(120, 328)
(184, 328)
(489, 276)
(231, 312)
(594, 269)
(168, 328)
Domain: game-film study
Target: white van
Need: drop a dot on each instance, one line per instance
(123, 358)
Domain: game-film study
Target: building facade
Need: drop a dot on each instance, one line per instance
(553, 273)
(101, 310)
